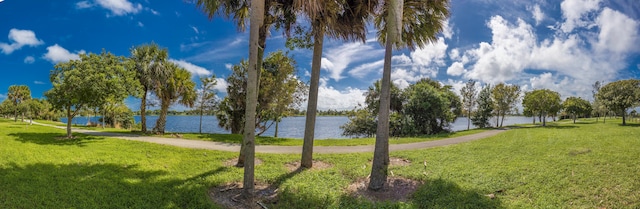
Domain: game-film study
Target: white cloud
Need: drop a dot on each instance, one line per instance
(83, 5)
(537, 13)
(331, 98)
(2, 96)
(57, 54)
(29, 60)
(364, 69)
(337, 59)
(140, 24)
(193, 69)
(618, 33)
(447, 29)
(195, 29)
(221, 85)
(575, 13)
(38, 82)
(117, 7)
(19, 38)
(456, 69)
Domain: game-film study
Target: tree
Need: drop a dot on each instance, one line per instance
(6, 108)
(89, 82)
(401, 24)
(468, 93)
(504, 98)
(485, 108)
(280, 91)
(598, 106)
(576, 106)
(431, 107)
(619, 96)
(177, 88)
(18, 95)
(362, 123)
(149, 63)
(542, 102)
(336, 18)
(206, 97)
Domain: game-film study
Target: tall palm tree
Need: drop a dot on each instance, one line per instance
(17, 95)
(150, 70)
(178, 87)
(338, 19)
(401, 24)
(278, 12)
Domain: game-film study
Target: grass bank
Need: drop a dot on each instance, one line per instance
(565, 165)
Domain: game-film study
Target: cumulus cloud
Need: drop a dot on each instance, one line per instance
(221, 85)
(29, 60)
(38, 82)
(570, 62)
(19, 38)
(332, 98)
(575, 13)
(56, 54)
(193, 69)
(117, 7)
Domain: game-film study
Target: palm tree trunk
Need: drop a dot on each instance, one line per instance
(143, 111)
(380, 165)
(162, 119)
(257, 17)
(312, 104)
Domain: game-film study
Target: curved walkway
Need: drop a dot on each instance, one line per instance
(197, 144)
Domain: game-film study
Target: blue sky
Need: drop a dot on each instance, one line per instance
(561, 45)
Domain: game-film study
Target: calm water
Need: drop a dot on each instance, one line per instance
(291, 127)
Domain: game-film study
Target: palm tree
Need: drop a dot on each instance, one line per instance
(150, 70)
(17, 95)
(338, 19)
(278, 12)
(178, 87)
(400, 24)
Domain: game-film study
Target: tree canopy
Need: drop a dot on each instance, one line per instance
(576, 106)
(619, 96)
(504, 99)
(541, 103)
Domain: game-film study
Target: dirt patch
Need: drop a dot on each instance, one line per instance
(234, 161)
(317, 165)
(397, 189)
(396, 161)
(229, 196)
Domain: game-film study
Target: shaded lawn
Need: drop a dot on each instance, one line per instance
(589, 166)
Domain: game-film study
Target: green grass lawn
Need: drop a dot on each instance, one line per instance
(565, 165)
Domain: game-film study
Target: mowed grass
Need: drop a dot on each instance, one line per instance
(586, 165)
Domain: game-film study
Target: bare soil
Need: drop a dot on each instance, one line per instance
(396, 161)
(230, 196)
(317, 165)
(397, 189)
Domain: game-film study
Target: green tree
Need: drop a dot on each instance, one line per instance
(619, 96)
(149, 64)
(206, 96)
(19, 94)
(484, 112)
(431, 107)
(542, 102)
(504, 98)
(335, 18)
(6, 108)
(576, 106)
(598, 106)
(468, 93)
(362, 123)
(407, 23)
(178, 87)
(89, 82)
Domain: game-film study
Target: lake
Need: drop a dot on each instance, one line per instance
(291, 127)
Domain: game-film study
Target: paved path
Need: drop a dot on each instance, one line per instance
(197, 144)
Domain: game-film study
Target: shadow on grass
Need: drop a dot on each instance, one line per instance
(55, 138)
(630, 125)
(436, 193)
(548, 126)
(83, 185)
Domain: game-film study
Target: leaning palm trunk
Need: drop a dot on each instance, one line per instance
(380, 164)
(257, 16)
(162, 119)
(312, 104)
